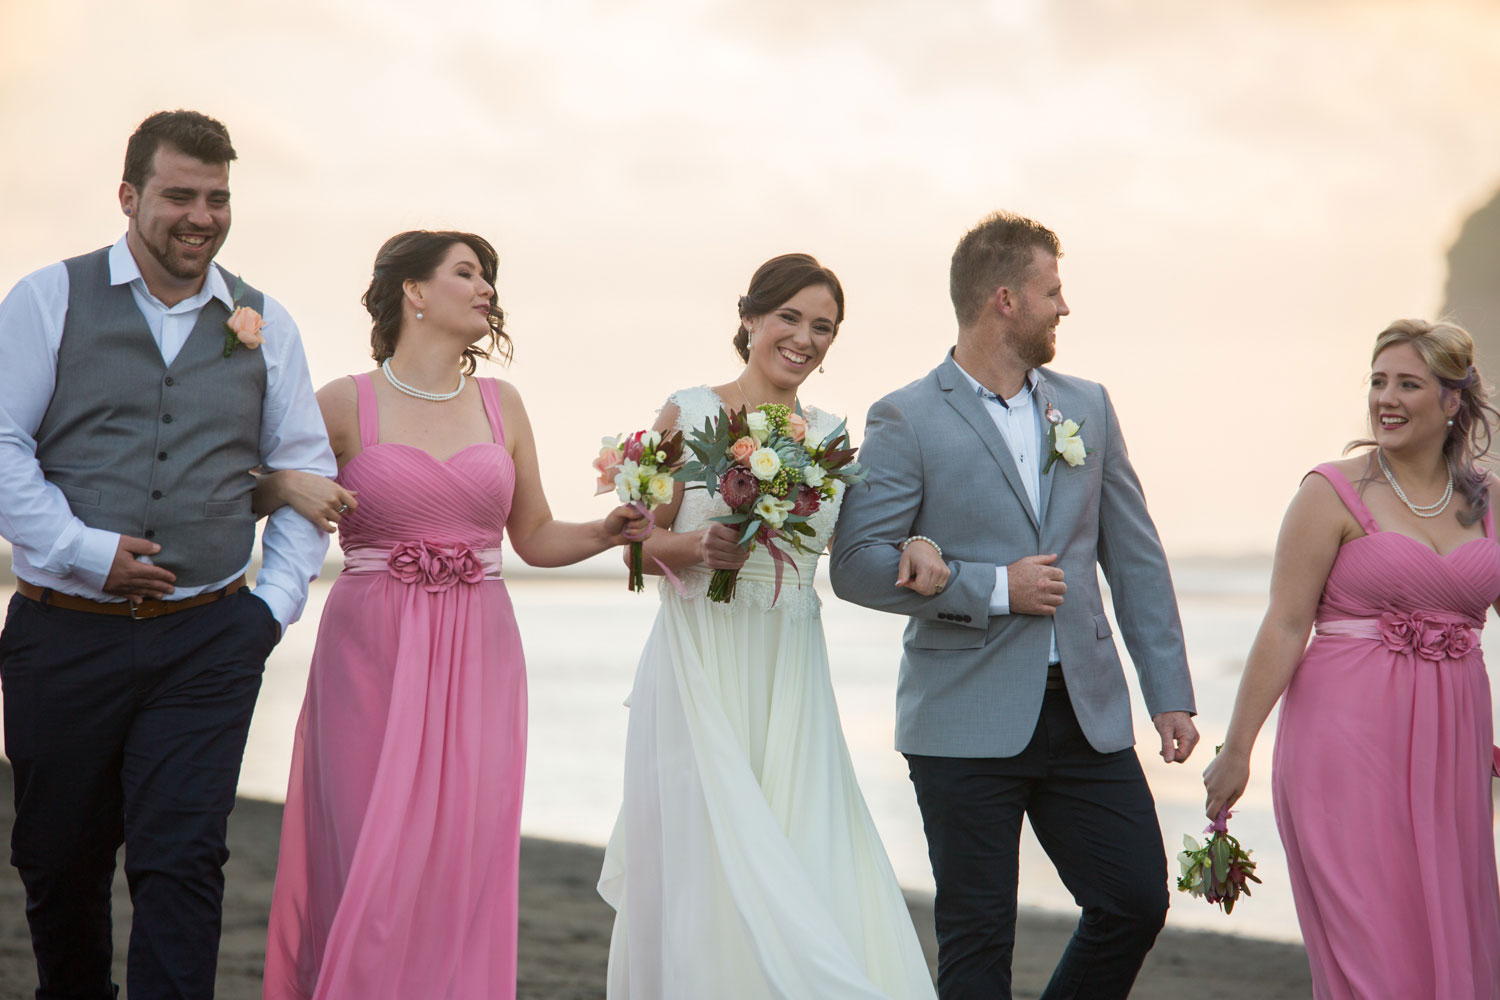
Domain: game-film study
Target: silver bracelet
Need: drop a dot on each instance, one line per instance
(921, 538)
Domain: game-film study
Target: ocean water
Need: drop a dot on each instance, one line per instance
(583, 634)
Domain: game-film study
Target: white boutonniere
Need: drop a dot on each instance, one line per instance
(1064, 440)
(244, 325)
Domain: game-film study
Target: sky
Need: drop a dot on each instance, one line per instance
(1246, 191)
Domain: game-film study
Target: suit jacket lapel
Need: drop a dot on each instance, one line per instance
(961, 396)
(1043, 398)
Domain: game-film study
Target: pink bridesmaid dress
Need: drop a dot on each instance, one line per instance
(1381, 772)
(400, 842)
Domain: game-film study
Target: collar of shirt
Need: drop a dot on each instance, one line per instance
(1020, 400)
(123, 270)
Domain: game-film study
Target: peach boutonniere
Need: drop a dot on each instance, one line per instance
(244, 325)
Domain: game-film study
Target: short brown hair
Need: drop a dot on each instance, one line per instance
(996, 252)
(197, 135)
(415, 256)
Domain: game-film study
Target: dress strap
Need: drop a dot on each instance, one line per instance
(489, 395)
(369, 410)
(1349, 495)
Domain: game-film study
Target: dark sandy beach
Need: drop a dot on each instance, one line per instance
(565, 930)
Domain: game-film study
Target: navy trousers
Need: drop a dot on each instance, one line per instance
(1093, 814)
(130, 732)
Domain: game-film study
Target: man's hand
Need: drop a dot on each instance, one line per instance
(129, 577)
(1036, 586)
(1178, 735)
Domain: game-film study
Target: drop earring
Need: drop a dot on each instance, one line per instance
(419, 314)
(820, 369)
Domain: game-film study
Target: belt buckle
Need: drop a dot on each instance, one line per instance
(136, 614)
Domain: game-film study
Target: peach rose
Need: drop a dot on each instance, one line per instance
(796, 427)
(742, 449)
(608, 466)
(245, 323)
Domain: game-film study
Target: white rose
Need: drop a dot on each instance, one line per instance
(760, 428)
(1068, 444)
(628, 482)
(772, 511)
(765, 463)
(1074, 452)
(812, 440)
(650, 440)
(659, 489)
(813, 475)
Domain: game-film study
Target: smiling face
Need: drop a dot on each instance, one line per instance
(178, 221)
(457, 297)
(1409, 409)
(789, 342)
(1037, 308)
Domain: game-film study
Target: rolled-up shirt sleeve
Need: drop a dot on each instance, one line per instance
(34, 515)
(292, 436)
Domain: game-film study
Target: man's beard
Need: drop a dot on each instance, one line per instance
(1038, 348)
(185, 270)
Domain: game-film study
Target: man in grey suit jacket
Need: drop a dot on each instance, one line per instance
(1012, 699)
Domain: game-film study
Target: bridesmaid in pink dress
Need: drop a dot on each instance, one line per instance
(399, 845)
(1381, 771)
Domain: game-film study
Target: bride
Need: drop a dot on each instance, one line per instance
(744, 862)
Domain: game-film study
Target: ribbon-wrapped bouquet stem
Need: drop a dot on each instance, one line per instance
(773, 473)
(1219, 870)
(639, 467)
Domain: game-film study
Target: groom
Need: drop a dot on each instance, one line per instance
(132, 651)
(1011, 700)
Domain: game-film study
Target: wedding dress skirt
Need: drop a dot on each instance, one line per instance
(744, 863)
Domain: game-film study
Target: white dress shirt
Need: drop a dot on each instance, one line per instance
(51, 547)
(1021, 428)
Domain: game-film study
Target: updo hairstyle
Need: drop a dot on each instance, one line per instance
(415, 256)
(776, 281)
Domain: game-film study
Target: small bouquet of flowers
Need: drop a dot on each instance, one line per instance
(639, 467)
(774, 473)
(1219, 870)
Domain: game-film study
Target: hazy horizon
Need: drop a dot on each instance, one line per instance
(1246, 192)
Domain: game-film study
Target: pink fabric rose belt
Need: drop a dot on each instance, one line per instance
(435, 567)
(1430, 636)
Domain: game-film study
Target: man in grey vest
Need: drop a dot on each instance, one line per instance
(1011, 700)
(131, 416)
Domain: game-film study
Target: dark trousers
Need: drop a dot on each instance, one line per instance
(1093, 814)
(129, 732)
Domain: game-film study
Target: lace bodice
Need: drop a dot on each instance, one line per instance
(756, 583)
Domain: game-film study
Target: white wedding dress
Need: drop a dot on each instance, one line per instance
(744, 863)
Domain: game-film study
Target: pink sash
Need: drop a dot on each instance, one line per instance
(436, 567)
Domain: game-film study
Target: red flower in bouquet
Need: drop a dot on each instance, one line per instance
(807, 503)
(739, 488)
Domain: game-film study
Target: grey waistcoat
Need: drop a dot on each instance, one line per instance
(149, 449)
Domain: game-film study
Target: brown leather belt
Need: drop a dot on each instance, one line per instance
(1055, 680)
(123, 609)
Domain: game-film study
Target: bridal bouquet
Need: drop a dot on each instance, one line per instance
(1219, 870)
(774, 473)
(639, 467)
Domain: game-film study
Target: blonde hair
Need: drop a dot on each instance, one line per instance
(1448, 351)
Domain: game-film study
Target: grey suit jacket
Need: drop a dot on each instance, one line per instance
(971, 684)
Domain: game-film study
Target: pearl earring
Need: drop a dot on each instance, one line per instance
(419, 314)
(820, 369)
(1450, 423)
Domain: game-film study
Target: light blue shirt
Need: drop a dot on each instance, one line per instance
(1021, 428)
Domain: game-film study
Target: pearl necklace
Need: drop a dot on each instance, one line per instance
(436, 397)
(1431, 510)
